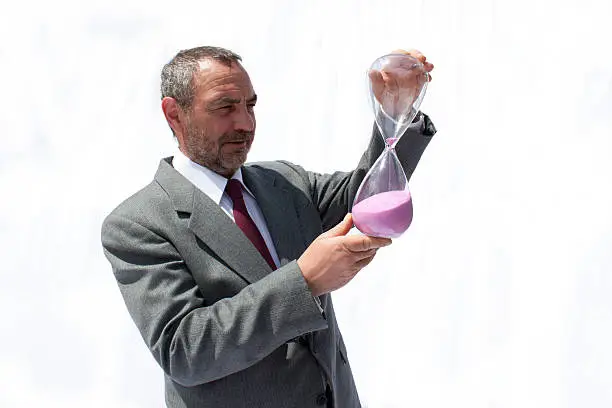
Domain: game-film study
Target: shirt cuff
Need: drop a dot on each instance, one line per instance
(318, 302)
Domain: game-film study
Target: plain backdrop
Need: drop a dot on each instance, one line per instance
(498, 296)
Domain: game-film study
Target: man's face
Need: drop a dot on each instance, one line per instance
(220, 125)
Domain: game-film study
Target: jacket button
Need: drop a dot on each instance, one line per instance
(321, 399)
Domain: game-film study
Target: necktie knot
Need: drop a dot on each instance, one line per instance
(234, 189)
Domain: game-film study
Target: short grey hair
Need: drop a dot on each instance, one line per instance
(177, 75)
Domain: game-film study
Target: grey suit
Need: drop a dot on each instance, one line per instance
(222, 324)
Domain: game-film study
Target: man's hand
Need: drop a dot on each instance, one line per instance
(398, 84)
(333, 259)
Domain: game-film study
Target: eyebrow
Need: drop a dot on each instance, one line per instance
(227, 100)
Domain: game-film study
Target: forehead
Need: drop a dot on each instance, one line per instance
(215, 79)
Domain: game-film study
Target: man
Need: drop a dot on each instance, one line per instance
(226, 269)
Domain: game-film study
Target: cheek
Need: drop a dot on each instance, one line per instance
(220, 128)
(211, 131)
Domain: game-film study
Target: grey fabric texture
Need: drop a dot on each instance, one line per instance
(221, 324)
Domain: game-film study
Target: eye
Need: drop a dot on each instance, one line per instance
(225, 109)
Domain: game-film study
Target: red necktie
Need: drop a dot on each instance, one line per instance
(245, 222)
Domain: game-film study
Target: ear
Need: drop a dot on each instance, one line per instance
(174, 116)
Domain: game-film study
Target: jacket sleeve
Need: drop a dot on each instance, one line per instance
(193, 342)
(333, 194)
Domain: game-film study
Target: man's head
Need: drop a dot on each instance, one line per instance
(208, 101)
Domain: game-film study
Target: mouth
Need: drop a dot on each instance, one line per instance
(237, 143)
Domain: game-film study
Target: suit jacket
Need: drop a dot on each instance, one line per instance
(221, 324)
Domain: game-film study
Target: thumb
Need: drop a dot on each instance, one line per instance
(342, 228)
(376, 77)
(378, 82)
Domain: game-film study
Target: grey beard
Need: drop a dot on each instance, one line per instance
(208, 154)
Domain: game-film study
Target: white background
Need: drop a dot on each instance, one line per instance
(499, 295)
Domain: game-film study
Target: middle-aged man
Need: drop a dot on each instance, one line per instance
(227, 269)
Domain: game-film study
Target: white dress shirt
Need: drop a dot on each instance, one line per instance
(213, 185)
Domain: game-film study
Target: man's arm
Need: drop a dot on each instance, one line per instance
(333, 194)
(196, 343)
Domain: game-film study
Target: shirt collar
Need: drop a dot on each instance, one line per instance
(209, 182)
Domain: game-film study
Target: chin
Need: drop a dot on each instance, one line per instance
(233, 165)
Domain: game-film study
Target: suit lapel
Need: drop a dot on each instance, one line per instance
(222, 235)
(212, 226)
(278, 208)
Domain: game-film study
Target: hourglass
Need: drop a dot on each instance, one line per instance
(383, 204)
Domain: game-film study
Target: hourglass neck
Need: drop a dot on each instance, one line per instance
(390, 142)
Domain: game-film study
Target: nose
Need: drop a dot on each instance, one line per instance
(244, 119)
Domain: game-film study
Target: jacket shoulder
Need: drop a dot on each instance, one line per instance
(285, 171)
(148, 204)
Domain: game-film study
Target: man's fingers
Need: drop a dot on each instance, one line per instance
(364, 262)
(378, 83)
(365, 254)
(418, 55)
(414, 53)
(376, 77)
(360, 243)
(341, 228)
(427, 66)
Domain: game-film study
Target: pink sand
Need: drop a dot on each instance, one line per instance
(391, 140)
(386, 214)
